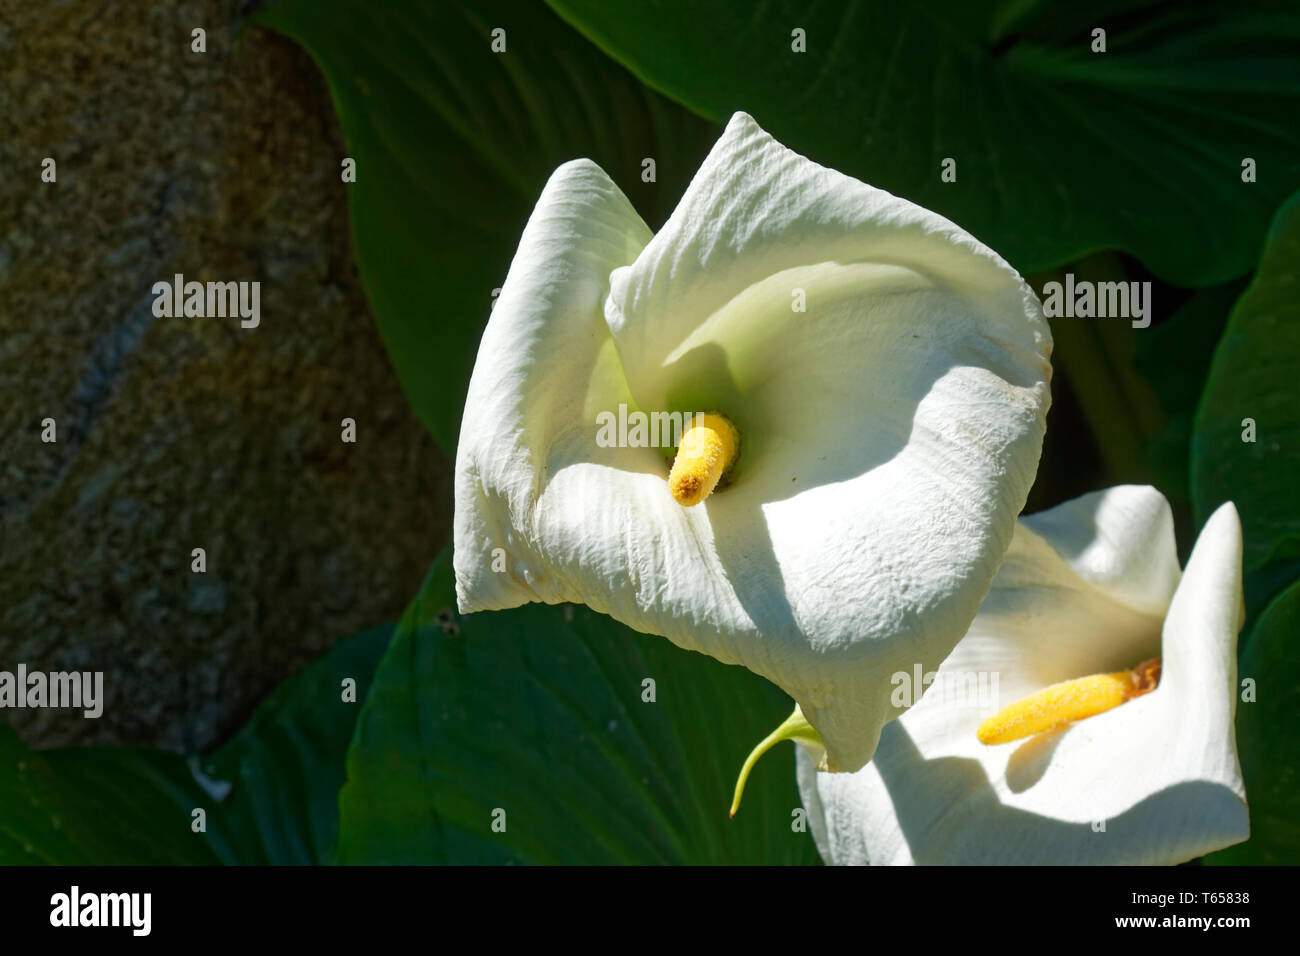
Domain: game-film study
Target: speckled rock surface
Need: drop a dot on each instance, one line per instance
(178, 433)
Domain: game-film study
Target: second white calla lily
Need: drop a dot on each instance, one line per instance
(1089, 587)
(887, 377)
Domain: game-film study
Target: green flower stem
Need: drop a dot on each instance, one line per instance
(794, 727)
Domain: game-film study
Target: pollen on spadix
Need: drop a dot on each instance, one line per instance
(1053, 707)
(709, 446)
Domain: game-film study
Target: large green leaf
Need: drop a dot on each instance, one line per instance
(1175, 358)
(1097, 356)
(270, 794)
(1268, 737)
(1060, 151)
(285, 767)
(453, 143)
(539, 712)
(92, 806)
(1256, 375)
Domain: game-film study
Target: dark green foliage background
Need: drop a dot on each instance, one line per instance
(1123, 165)
(542, 713)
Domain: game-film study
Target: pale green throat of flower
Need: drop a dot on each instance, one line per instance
(709, 448)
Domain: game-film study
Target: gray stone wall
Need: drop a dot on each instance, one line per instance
(181, 433)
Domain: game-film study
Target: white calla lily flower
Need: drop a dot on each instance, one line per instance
(883, 375)
(1088, 587)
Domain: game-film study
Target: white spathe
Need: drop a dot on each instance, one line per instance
(1087, 587)
(890, 432)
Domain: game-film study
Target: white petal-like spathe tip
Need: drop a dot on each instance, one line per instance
(1152, 781)
(889, 377)
(545, 365)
